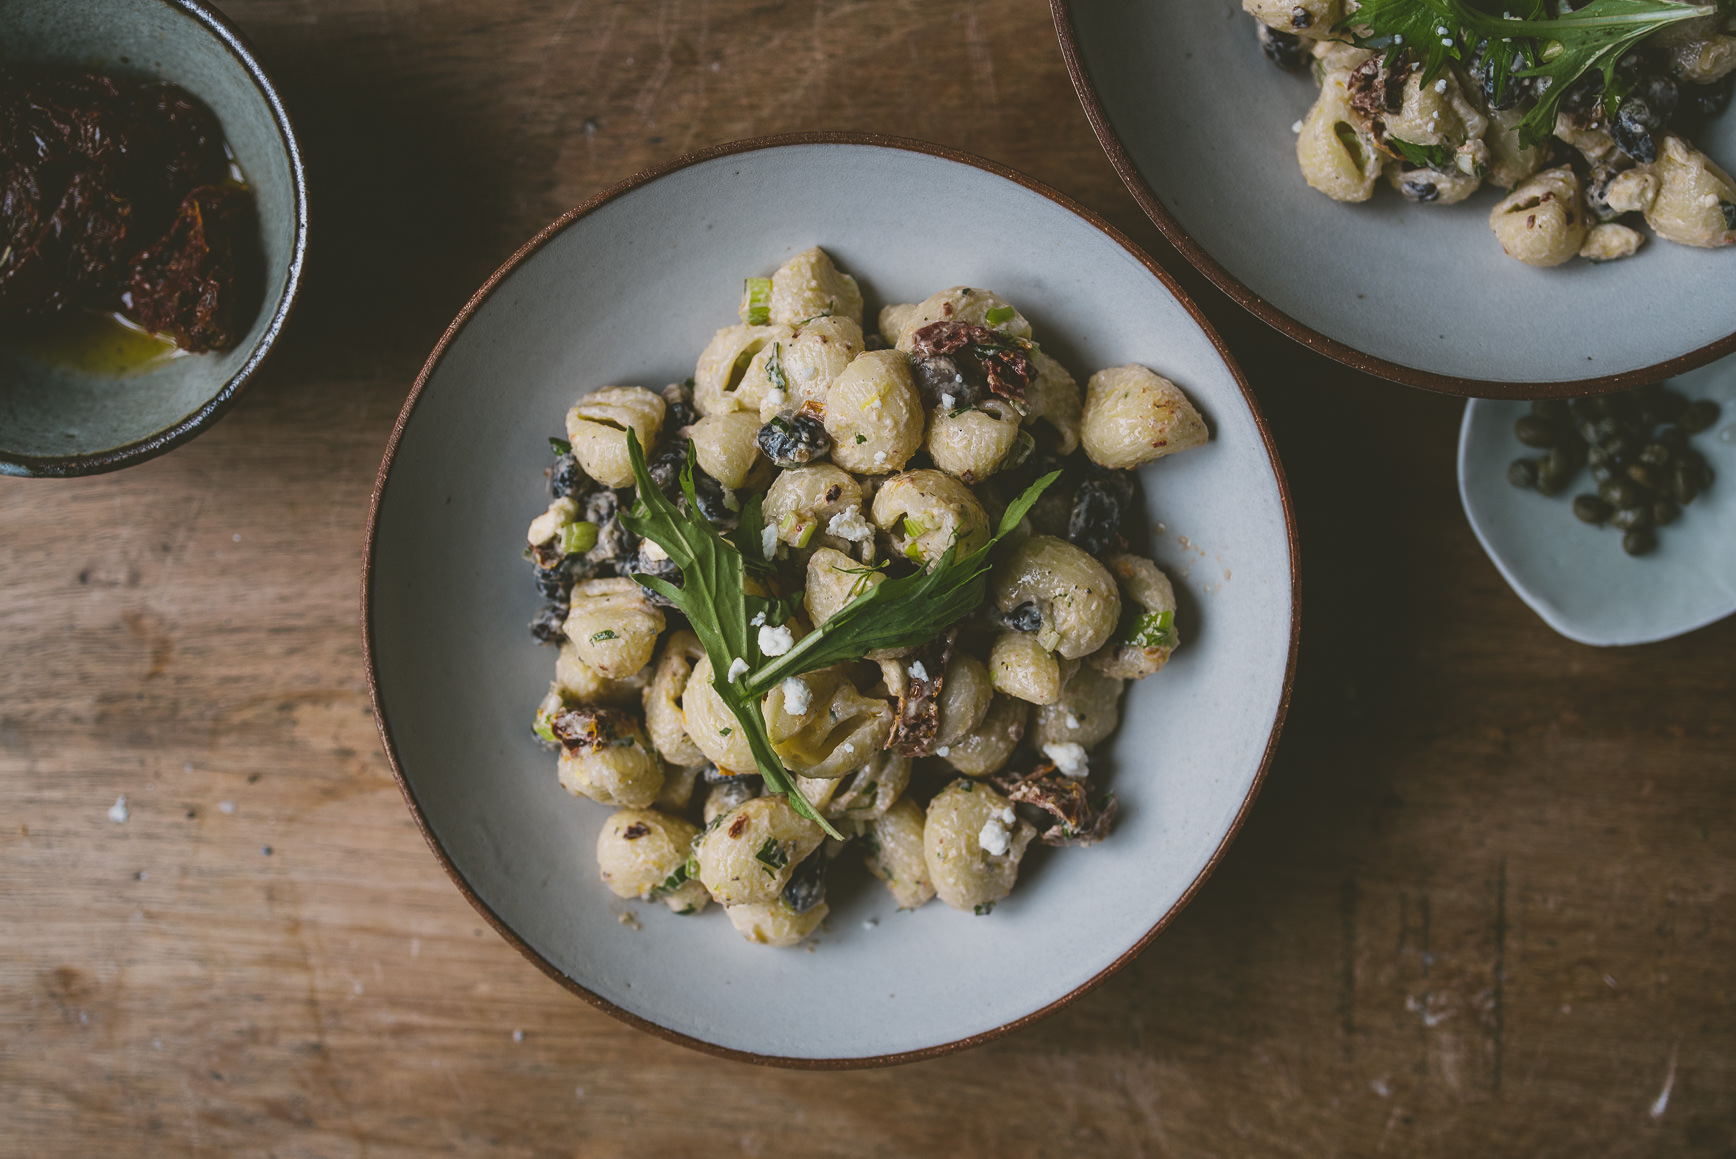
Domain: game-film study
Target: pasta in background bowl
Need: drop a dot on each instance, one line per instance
(624, 290)
(1413, 292)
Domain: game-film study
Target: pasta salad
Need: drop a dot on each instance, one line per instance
(1580, 110)
(843, 591)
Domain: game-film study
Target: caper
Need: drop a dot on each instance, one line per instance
(1664, 512)
(1587, 430)
(1536, 432)
(1620, 492)
(1701, 413)
(1645, 476)
(1522, 472)
(1551, 479)
(1597, 456)
(1639, 541)
(1628, 518)
(1590, 509)
(1620, 448)
(1569, 453)
(1607, 427)
(1554, 410)
(1655, 455)
(1685, 482)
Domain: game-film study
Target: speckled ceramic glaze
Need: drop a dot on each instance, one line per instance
(1575, 576)
(628, 289)
(56, 421)
(1198, 123)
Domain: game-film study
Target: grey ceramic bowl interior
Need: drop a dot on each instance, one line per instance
(56, 421)
(628, 289)
(1574, 575)
(1199, 126)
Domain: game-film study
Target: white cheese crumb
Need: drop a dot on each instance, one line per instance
(226, 806)
(995, 837)
(797, 696)
(870, 923)
(946, 401)
(1441, 85)
(879, 458)
(958, 378)
(1296, 128)
(118, 810)
(1072, 721)
(775, 641)
(917, 671)
(518, 1036)
(943, 751)
(738, 669)
(777, 398)
(769, 540)
(759, 619)
(1069, 758)
(849, 524)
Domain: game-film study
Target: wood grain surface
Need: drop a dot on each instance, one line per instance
(1484, 906)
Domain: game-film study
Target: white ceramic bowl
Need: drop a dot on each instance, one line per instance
(1198, 124)
(628, 288)
(1574, 575)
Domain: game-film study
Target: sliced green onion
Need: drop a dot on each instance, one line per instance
(1153, 630)
(578, 538)
(775, 367)
(756, 309)
(543, 729)
(999, 314)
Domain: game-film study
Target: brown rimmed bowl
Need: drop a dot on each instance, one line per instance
(1199, 126)
(67, 416)
(627, 288)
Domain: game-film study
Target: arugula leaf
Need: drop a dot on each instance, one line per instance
(899, 612)
(1554, 52)
(714, 598)
(1436, 157)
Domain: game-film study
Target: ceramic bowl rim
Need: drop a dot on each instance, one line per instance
(1122, 161)
(646, 177)
(231, 38)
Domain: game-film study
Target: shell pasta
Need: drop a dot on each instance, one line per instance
(831, 461)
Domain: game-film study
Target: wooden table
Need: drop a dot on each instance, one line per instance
(1486, 904)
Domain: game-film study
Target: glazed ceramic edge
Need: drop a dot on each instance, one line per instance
(65, 466)
(1122, 161)
(645, 177)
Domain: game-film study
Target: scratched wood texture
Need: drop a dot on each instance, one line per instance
(1484, 906)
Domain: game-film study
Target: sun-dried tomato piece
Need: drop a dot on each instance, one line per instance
(189, 284)
(1080, 818)
(981, 355)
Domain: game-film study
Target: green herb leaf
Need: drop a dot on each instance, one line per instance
(756, 307)
(772, 856)
(1436, 157)
(907, 610)
(775, 367)
(560, 446)
(998, 315)
(713, 597)
(1552, 51)
(675, 880)
(605, 634)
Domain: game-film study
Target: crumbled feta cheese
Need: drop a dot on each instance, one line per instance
(849, 524)
(870, 923)
(759, 619)
(797, 695)
(918, 671)
(1441, 85)
(943, 751)
(946, 401)
(1072, 721)
(775, 641)
(118, 810)
(226, 807)
(1069, 758)
(775, 397)
(879, 458)
(738, 669)
(769, 540)
(958, 378)
(995, 837)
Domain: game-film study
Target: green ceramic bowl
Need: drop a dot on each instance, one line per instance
(57, 419)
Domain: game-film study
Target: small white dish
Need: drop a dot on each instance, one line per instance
(1575, 575)
(627, 289)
